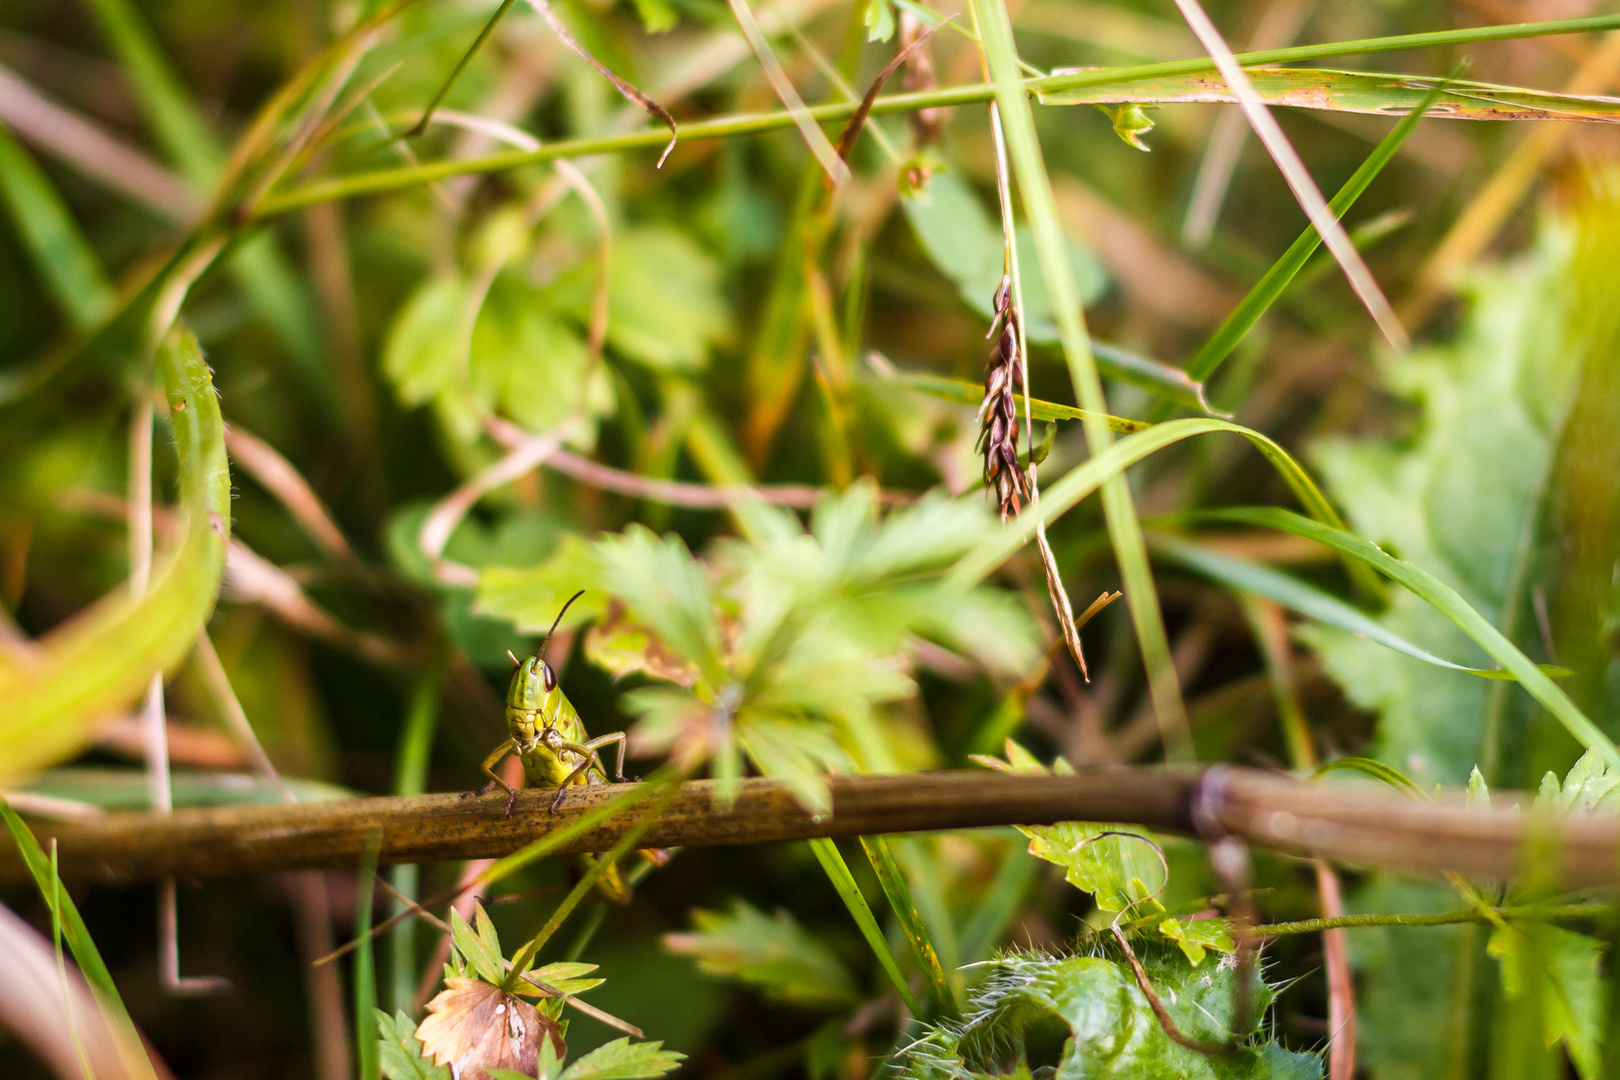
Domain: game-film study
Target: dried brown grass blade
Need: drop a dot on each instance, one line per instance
(630, 93)
(852, 130)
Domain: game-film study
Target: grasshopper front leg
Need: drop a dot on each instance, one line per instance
(495, 758)
(589, 758)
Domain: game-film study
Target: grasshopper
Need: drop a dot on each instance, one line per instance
(546, 734)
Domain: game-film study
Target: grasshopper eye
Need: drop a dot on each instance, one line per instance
(548, 676)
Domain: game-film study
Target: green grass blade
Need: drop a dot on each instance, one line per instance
(367, 1064)
(104, 658)
(85, 953)
(410, 778)
(461, 66)
(1266, 291)
(1086, 478)
(1355, 92)
(965, 393)
(1051, 250)
(1375, 769)
(844, 882)
(1308, 600)
(64, 258)
(905, 910)
(394, 179)
(1444, 599)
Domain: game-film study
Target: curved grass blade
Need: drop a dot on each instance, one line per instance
(1444, 599)
(1165, 380)
(1375, 769)
(104, 658)
(1310, 601)
(963, 392)
(1356, 92)
(461, 65)
(1086, 478)
(905, 910)
(852, 129)
(843, 881)
(67, 264)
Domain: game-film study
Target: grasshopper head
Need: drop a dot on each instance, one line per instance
(532, 684)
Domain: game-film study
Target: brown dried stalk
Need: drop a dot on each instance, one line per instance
(919, 78)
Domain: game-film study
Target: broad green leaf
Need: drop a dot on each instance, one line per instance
(963, 240)
(1306, 599)
(1352, 91)
(1194, 937)
(622, 1059)
(665, 305)
(565, 976)
(104, 658)
(1087, 1019)
(530, 597)
(400, 1052)
(421, 352)
(879, 19)
(1561, 967)
(773, 953)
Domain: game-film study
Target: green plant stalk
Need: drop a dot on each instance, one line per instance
(461, 65)
(1527, 913)
(367, 1064)
(905, 910)
(104, 658)
(1051, 249)
(844, 882)
(394, 179)
(1219, 345)
(410, 778)
(525, 956)
(1446, 600)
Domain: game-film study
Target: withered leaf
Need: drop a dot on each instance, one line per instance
(472, 1026)
(622, 647)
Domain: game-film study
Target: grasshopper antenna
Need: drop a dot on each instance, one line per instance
(541, 651)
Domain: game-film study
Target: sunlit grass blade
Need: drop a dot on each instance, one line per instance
(1357, 92)
(1265, 292)
(104, 658)
(1308, 600)
(1051, 250)
(905, 910)
(367, 1066)
(85, 953)
(1444, 599)
(1088, 477)
(844, 882)
(64, 258)
(393, 179)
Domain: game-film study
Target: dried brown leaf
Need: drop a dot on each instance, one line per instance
(472, 1026)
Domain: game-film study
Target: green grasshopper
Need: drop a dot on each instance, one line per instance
(546, 734)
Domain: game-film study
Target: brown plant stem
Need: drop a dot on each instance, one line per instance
(1343, 823)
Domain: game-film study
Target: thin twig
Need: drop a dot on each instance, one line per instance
(1166, 1021)
(261, 461)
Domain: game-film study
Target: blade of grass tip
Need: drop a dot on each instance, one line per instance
(85, 953)
(1293, 170)
(1219, 345)
(410, 778)
(844, 882)
(367, 1064)
(816, 139)
(625, 89)
(66, 262)
(54, 903)
(461, 65)
(1051, 248)
(898, 892)
(1444, 599)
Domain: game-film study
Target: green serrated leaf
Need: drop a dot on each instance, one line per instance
(772, 953)
(487, 963)
(1194, 937)
(1562, 967)
(400, 1053)
(622, 1059)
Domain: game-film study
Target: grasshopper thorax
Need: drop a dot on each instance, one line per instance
(532, 684)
